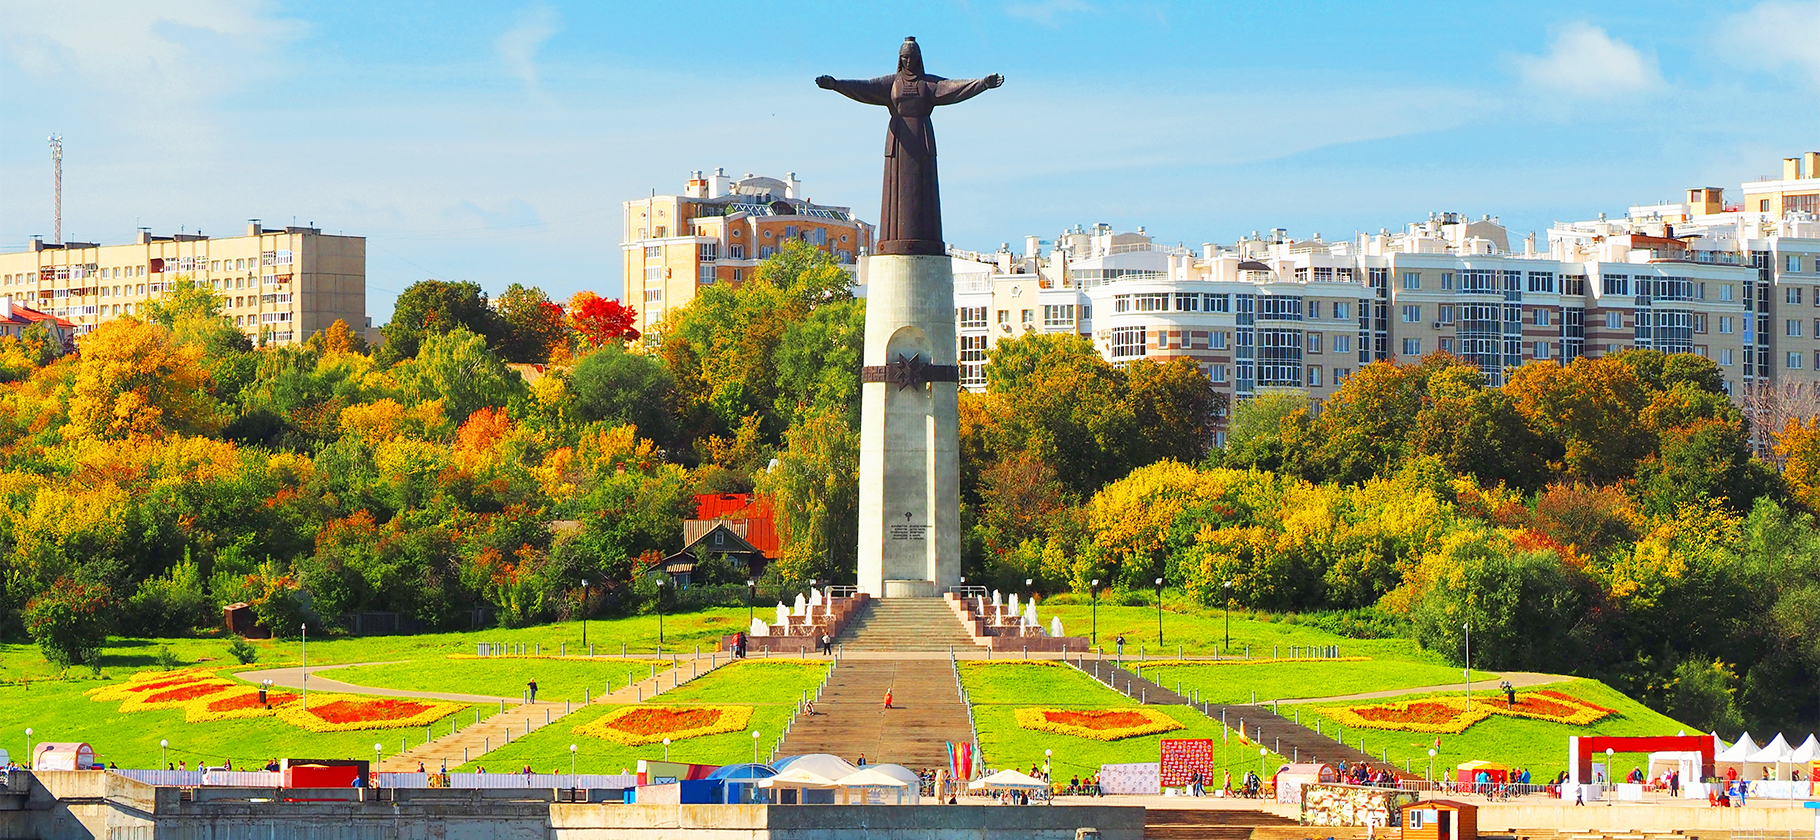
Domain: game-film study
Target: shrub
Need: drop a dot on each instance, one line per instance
(243, 651)
(69, 622)
(171, 604)
(167, 658)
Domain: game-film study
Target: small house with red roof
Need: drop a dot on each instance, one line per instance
(16, 318)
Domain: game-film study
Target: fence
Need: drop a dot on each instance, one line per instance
(471, 781)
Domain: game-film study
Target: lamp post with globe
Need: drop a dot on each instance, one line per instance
(754, 746)
(163, 756)
(572, 749)
(1431, 764)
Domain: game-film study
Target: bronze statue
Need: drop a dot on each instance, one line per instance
(910, 216)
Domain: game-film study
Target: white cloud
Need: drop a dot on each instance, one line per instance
(179, 51)
(1587, 62)
(1047, 12)
(518, 46)
(1776, 34)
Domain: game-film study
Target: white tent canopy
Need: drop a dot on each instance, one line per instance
(1777, 751)
(1007, 780)
(799, 778)
(873, 777)
(1738, 752)
(1808, 751)
(822, 764)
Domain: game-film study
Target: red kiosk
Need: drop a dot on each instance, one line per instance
(1580, 751)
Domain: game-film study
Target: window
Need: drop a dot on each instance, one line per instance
(654, 296)
(1614, 320)
(1412, 347)
(736, 251)
(1127, 342)
(661, 232)
(1446, 316)
(1217, 303)
(1314, 376)
(1614, 284)
(1412, 314)
(1314, 309)
(972, 316)
(1029, 316)
(1004, 316)
(1056, 315)
(1725, 356)
(1340, 374)
(1216, 341)
(1342, 311)
(1794, 360)
(1314, 344)
(654, 274)
(1725, 324)
(973, 359)
(1342, 344)
(1794, 263)
(1412, 280)
(1541, 281)
(1217, 373)
(1543, 318)
(705, 276)
(1725, 292)
(766, 252)
(653, 252)
(708, 251)
(1187, 303)
(1447, 280)
(1792, 294)
(1792, 328)
(1446, 345)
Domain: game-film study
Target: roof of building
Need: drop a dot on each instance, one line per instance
(1253, 265)
(19, 313)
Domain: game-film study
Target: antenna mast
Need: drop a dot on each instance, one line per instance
(57, 185)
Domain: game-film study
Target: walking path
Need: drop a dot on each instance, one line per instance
(1517, 679)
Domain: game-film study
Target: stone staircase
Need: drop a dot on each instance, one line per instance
(1283, 735)
(1223, 824)
(850, 720)
(906, 625)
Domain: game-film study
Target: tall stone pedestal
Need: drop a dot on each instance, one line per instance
(909, 449)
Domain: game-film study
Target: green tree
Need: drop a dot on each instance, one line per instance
(1175, 403)
(434, 307)
(532, 325)
(457, 368)
(1526, 610)
(1364, 428)
(815, 492)
(615, 387)
(1059, 401)
(1478, 431)
(1254, 436)
(170, 604)
(1702, 695)
(69, 622)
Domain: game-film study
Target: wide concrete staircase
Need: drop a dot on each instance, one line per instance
(906, 625)
(1226, 824)
(850, 720)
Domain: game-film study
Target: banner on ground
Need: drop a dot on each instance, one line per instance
(1183, 756)
(1133, 779)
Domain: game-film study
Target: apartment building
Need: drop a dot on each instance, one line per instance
(278, 285)
(719, 230)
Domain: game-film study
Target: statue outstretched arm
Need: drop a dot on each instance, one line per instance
(870, 91)
(950, 91)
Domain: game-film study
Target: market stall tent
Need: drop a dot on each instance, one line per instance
(63, 755)
(1008, 780)
(1292, 777)
(875, 779)
(1468, 772)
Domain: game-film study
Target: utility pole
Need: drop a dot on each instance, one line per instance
(57, 187)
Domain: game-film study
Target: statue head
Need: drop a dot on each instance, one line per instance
(910, 59)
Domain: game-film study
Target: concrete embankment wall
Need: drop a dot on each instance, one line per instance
(841, 822)
(1690, 819)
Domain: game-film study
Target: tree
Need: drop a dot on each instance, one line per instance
(337, 338)
(69, 622)
(1478, 431)
(1175, 403)
(1059, 401)
(135, 380)
(457, 368)
(435, 307)
(1254, 436)
(1364, 428)
(1590, 408)
(1526, 610)
(815, 492)
(170, 604)
(1798, 445)
(1702, 695)
(533, 326)
(615, 387)
(600, 322)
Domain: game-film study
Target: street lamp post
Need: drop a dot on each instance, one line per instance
(1468, 672)
(163, 756)
(584, 614)
(660, 613)
(1431, 764)
(378, 753)
(1047, 754)
(754, 746)
(28, 747)
(1262, 752)
(1159, 613)
(1094, 588)
(1228, 587)
(306, 665)
(572, 749)
(751, 593)
(666, 749)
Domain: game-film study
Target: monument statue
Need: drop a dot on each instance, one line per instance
(909, 440)
(910, 214)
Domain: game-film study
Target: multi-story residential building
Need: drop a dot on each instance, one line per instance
(280, 286)
(718, 231)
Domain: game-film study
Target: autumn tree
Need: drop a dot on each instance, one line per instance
(135, 380)
(600, 322)
(1175, 403)
(532, 325)
(458, 369)
(338, 337)
(1477, 431)
(69, 622)
(1589, 408)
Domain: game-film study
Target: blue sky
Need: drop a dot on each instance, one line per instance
(495, 141)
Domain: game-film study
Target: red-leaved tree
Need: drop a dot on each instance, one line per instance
(601, 320)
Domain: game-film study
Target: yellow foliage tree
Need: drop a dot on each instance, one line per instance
(1798, 444)
(135, 381)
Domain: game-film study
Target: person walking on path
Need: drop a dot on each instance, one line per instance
(1120, 641)
(827, 645)
(887, 698)
(531, 690)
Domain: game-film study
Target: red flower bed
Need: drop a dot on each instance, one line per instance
(1097, 719)
(660, 721)
(249, 700)
(1569, 698)
(154, 686)
(188, 692)
(367, 711)
(1414, 713)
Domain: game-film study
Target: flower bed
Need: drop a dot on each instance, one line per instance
(203, 696)
(1450, 715)
(638, 725)
(347, 713)
(1097, 724)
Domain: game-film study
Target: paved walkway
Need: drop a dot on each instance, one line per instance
(293, 678)
(1519, 679)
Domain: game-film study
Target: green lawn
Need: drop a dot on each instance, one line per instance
(997, 689)
(1518, 742)
(557, 679)
(770, 687)
(59, 710)
(1239, 682)
(1200, 634)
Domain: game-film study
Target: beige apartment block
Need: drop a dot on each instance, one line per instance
(278, 285)
(718, 231)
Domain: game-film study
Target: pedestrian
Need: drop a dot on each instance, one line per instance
(531, 689)
(827, 645)
(887, 698)
(420, 767)
(862, 759)
(1197, 780)
(1120, 641)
